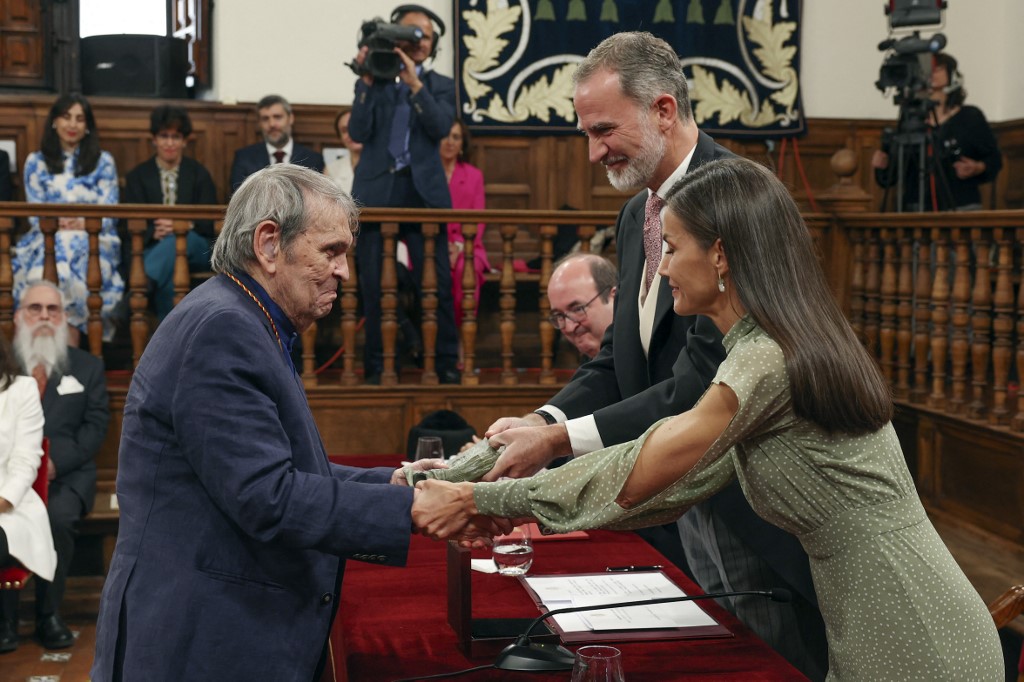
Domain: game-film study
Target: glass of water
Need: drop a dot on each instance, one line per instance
(598, 664)
(513, 553)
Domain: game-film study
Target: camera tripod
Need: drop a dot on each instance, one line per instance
(915, 140)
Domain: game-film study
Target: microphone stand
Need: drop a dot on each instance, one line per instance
(525, 656)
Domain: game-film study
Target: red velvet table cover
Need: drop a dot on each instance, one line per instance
(393, 621)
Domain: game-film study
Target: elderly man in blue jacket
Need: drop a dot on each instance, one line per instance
(234, 525)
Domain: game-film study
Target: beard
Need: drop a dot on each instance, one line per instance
(50, 351)
(640, 169)
(278, 140)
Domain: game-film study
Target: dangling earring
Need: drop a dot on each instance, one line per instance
(721, 283)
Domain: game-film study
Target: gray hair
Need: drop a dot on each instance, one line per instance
(647, 66)
(284, 193)
(601, 269)
(271, 100)
(47, 284)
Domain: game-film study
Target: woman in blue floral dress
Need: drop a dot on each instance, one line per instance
(70, 168)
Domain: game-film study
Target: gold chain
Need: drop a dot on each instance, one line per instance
(262, 307)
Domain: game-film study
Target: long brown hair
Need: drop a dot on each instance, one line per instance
(8, 364)
(772, 264)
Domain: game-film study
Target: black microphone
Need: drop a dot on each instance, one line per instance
(524, 655)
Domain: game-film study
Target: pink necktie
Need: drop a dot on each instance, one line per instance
(652, 236)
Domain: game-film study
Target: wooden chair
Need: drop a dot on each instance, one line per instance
(1004, 609)
(15, 577)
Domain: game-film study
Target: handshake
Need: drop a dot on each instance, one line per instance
(443, 507)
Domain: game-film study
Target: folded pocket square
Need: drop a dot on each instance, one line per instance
(68, 385)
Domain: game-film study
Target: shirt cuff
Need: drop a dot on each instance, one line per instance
(583, 435)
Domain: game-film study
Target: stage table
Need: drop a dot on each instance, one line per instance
(393, 621)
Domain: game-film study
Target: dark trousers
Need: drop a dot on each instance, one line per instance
(369, 261)
(65, 508)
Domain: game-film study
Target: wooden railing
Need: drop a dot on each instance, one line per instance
(937, 298)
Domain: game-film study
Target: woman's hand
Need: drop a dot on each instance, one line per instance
(441, 509)
(879, 160)
(968, 168)
(71, 223)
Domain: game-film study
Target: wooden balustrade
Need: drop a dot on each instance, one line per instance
(936, 298)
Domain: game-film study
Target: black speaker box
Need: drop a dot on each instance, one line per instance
(134, 66)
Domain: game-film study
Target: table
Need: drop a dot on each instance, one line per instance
(394, 621)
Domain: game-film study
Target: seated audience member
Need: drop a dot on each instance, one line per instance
(169, 177)
(276, 121)
(70, 168)
(73, 387)
(6, 188)
(466, 184)
(343, 168)
(24, 531)
(800, 413)
(581, 293)
(963, 148)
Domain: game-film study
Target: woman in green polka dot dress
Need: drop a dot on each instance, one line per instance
(800, 413)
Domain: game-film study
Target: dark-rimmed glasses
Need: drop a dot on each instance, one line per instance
(576, 314)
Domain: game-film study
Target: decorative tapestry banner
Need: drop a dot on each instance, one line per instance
(515, 60)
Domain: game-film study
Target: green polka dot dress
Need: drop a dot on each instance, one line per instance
(896, 605)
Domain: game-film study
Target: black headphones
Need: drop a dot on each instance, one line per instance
(402, 10)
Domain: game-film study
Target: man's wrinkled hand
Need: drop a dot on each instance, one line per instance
(506, 423)
(527, 450)
(398, 476)
(441, 509)
(481, 531)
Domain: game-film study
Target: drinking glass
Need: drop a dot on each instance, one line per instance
(513, 553)
(598, 664)
(429, 447)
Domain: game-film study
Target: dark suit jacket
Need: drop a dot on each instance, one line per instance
(430, 121)
(250, 159)
(195, 186)
(6, 188)
(234, 526)
(626, 393)
(76, 422)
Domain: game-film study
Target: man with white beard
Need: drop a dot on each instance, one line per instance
(73, 388)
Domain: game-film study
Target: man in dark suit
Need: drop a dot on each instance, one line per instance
(276, 121)
(401, 125)
(234, 526)
(73, 388)
(169, 178)
(6, 188)
(632, 103)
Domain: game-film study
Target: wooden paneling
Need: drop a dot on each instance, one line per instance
(22, 41)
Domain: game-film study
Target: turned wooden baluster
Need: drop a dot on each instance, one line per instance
(349, 303)
(94, 281)
(137, 287)
(857, 283)
(309, 376)
(922, 315)
(960, 319)
(887, 307)
(585, 233)
(981, 321)
(48, 226)
(547, 332)
(904, 312)
(872, 292)
(507, 304)
(388, 306)
(6, 279)
(468, 303)
(1002, 326)
(182, 279)
(1017, 424)
(429, 304)
(940, 317)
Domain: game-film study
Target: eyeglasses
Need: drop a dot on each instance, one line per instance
(36, 309)
(576, 314)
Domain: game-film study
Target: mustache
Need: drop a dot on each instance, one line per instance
(609, 160)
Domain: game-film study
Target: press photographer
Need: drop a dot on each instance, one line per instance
(941, 150)
(400, 122)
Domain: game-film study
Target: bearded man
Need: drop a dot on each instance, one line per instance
(73, 388)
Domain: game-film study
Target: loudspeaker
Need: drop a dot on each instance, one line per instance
(134, 66)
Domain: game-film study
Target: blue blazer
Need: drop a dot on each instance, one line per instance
(430, 121)
(234, 526)
(250, 159)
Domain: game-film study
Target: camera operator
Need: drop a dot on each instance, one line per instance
(401, 123)
(964, 151)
